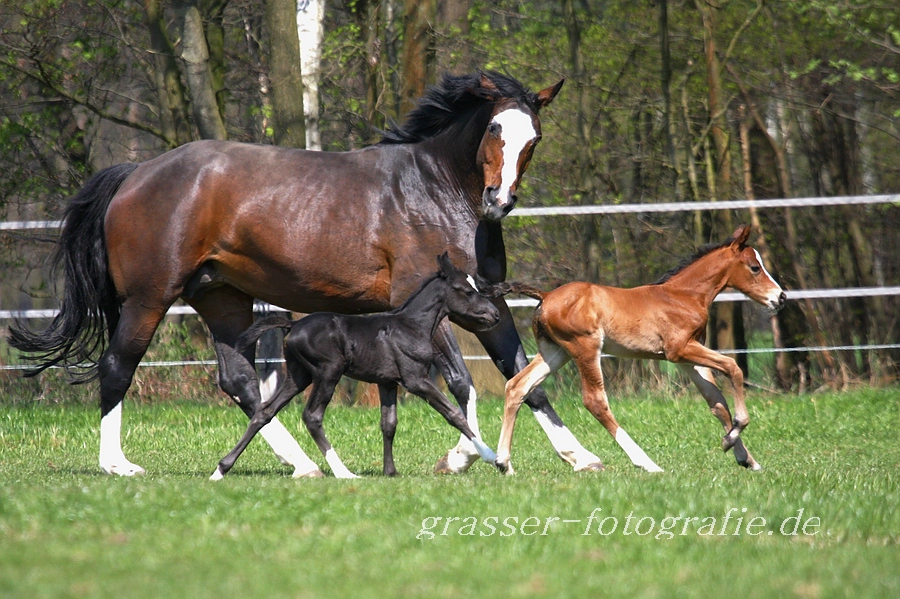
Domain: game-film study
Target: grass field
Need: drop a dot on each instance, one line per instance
(831, 464)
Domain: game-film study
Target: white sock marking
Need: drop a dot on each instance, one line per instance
(112, 458)
(286, 448)
(337, 466)
(635, 453)
(566, 445)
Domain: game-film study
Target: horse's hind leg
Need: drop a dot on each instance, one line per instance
(261, 417)
(388, 396)
(314, 416)
(593, 392)
(503, 345)
(134, 329)
(229, 312)
(702, 378)
(449, 362)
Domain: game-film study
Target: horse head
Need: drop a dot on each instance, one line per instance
(510, 137)
(469, 307)
(749, 276)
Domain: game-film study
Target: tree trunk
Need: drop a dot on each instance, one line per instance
(285, 77)
(310, 31)
(665, 81)
(728, 320)
(213, 18)
(417, 59)
(195, 53)
(585, 182)
(173, 105)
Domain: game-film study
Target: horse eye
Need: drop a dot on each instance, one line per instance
(755, 269)
(494, 128)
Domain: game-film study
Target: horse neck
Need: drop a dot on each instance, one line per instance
(456, 150)
(426, 308)
(704, 278)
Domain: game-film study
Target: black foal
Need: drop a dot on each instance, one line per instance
(387, 348)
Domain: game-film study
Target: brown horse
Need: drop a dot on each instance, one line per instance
(663, 321)
(219, 224)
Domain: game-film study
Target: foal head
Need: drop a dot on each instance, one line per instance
(512, 133)
(748, 275)
(468, 306)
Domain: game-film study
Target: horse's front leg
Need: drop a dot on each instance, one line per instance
(424, 388)
(505, 349)
(228, 312)
(702, 378)
(697, 354)
(449, 362)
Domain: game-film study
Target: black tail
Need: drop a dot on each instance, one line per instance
(508, 287)
(77, 335)
(261, 326)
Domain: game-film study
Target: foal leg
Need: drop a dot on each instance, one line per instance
(550, 358)
(388, 396)
(503, 345)
(696, 353)
(593, 393)
(449, 362)
(260, 418)
(313, 417)
(228, 312)
(424, 388)
(703, 379)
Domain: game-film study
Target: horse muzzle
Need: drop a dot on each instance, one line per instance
(481, 321)
(495, 208)
(775, 305)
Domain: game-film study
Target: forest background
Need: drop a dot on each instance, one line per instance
(664, 101)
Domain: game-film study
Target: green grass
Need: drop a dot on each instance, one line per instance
(66, 530)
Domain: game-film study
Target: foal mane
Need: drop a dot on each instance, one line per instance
(702, 251)
(442, 105)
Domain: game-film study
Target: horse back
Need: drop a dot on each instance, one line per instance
(304, 230)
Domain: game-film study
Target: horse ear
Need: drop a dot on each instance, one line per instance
(740, 235)
(545, 96)
(488, 85)
(444, 264)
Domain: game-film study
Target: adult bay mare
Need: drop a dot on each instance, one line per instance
(220, 223)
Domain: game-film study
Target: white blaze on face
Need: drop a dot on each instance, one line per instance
(472, 282)
(776, 291)
(516, 130)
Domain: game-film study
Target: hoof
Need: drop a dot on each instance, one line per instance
(728, 443)
(443, 466)
(127, 469)
(592, 467)
(311, 474)
(505, 468)
(456, 462)
(217, 475)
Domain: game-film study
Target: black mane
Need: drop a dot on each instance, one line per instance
(702, 251)
(443, 104)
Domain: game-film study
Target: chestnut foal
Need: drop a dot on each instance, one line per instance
(387, 348)
(663, 321)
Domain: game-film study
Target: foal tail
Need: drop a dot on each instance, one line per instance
(507, 287)
(77, 335)
(261, 326)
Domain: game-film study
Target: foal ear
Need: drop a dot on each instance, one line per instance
(444, 264)
(740, 236)
(545, 96)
